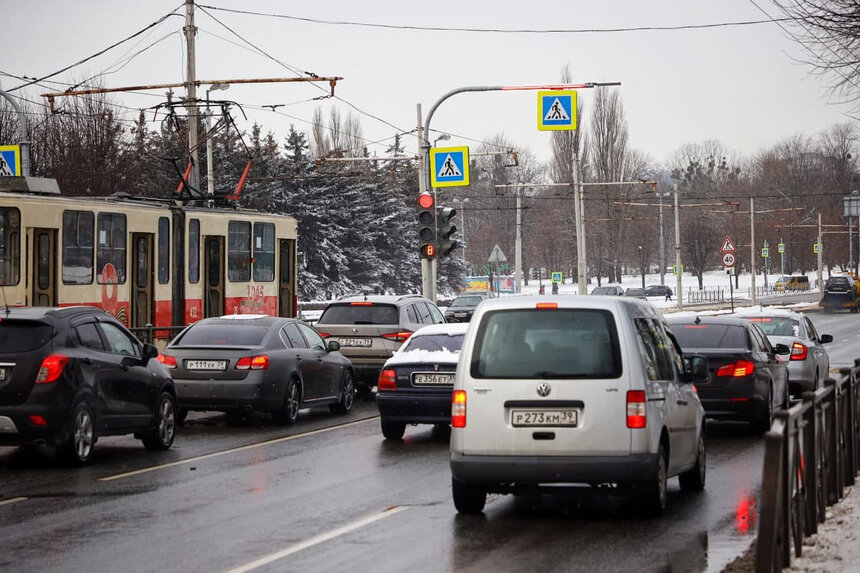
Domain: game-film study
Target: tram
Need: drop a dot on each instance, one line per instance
(147, 262)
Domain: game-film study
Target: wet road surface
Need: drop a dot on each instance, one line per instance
(330, 494)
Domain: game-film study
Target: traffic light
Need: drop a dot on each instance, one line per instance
(427, 225)
(444, 219)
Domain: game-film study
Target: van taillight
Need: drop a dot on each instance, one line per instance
(387, 380)
(51, 368)
(458, 409)
(798, 351)
(260, 362)
(636, 412)
(167, 360)
(400, 336)
(737, 369)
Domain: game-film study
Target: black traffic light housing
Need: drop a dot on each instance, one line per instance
(446, 229)
(427, 225)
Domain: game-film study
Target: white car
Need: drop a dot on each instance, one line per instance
(574, 390)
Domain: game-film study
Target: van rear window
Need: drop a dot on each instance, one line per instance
(531, 343)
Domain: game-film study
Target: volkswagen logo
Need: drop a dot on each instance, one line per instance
(544, 389)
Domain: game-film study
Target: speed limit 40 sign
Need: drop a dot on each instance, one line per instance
(729, 259)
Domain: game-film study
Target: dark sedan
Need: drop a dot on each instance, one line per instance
(463, 307)
(246, 362)
(71, 375)
(416, 384)
(748, 378)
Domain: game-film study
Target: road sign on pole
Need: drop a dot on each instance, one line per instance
(449, 166)
(556, 277)
(765, 252)
(729, 259)
(496, 255)
(556, 110)
(10, 161)
(728, 245)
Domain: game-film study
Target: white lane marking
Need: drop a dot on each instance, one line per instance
(317, 540)
(234, 450)
(12, 500)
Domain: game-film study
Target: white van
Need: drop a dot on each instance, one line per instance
(568, 390)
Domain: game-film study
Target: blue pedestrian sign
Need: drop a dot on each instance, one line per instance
(556, 110)
(10, 160)
(449, 166)
(556, 277)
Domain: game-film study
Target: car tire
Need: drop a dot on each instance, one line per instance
(694, 478)
(468, 498)
(289, 412)
(392, 430)
(347, 395)
(78, 447)
(764, 423)
(161, 435)
(655, 491)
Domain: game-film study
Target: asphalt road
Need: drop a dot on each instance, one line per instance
(329, 494)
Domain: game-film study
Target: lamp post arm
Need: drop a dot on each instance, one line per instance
(24, 134)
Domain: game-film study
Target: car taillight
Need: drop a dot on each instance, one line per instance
(636, 409)
(547, 306)
(51, 368)
(458, 409)
(387, 380)
(167, 360)
(400, 336)
(260, 362)
(737, 369)
(324, 334)
(798, 351)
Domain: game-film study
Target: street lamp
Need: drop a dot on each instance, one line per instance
(443, 137)
(210, 173)
(462, 203)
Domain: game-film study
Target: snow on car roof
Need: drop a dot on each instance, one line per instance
(407, 356)
(449, 328)
(761, 311)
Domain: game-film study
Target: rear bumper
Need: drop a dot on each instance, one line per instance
(228, 395)
(413, 408)
(740, 399)
(52, 402)
(801, 376)
(507, 471)
(367, 373)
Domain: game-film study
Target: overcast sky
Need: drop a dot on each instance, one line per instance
(740, 85)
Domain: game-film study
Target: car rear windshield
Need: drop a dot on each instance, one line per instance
(710, 335)
(220, 334)
(434, 342)
(562, 343)
(23, 335)
(363, 313)
(777, 325)
(467, 301)
(840, 284)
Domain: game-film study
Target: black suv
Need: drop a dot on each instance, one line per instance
(70, 375)
(840, 292)
(370, 328)
(463, 307)
(656, 290)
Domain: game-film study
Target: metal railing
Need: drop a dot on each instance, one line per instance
(811, 454)
(150, 333)
(696, 296)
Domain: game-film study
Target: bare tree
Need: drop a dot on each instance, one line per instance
(320, 146)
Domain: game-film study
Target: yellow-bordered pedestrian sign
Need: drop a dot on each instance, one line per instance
(556, 277)
(10, 160)
(449, 166)
(816, 248)
(556, 110)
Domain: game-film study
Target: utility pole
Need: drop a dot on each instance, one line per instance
(581, 268)
(820, 262)
(518, 247)
(662, 246)
(752, 251)
(678, 268)
(191, 93)
(24, 137)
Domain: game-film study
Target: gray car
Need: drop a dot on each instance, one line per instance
(808, 364)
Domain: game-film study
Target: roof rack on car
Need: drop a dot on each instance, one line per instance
(351, 294)
(401, 297)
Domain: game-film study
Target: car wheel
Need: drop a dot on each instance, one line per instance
(82, 435)
(655, 491)
(392, 430)
(347, 395)
(694, 478)
(289, 412)
(764, 423)
(160, 437)
(468, 498)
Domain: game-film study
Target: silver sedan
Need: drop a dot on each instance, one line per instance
(808, 363)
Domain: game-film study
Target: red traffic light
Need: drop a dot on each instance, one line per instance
(428, 251)
(425, 201)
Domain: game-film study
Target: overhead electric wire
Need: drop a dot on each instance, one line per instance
(500, 30)
(100, 52)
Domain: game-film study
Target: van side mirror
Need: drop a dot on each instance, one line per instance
(697, 368)
(333, 345)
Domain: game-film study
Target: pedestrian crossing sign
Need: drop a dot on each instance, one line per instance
(556, 277)
(449, 166)
(10, 160)
(556, 110)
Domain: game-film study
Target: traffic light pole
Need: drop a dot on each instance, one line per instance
(428, 265)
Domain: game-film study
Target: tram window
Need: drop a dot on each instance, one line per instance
(142, 256)
(239, 251)
(111, 246)
(163, 250)
(264, 252)
(78, 234)
(10, 248)
(194, 251)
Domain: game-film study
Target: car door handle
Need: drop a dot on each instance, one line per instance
(86, 361)
(682, 402)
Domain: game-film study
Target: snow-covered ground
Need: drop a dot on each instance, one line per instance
(836, 546)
